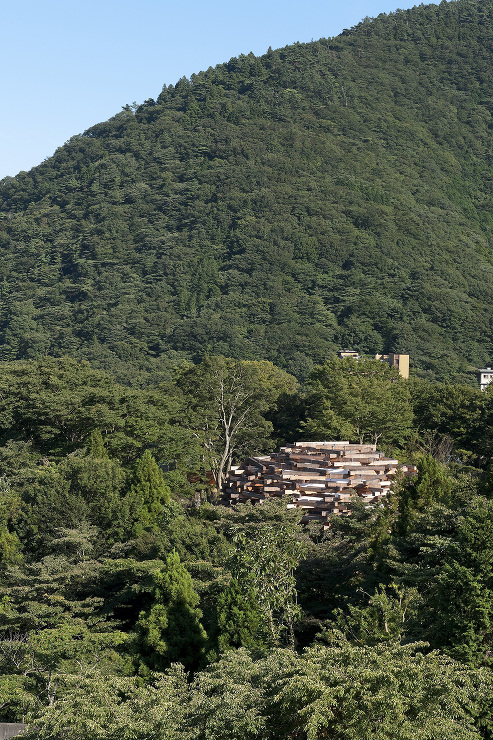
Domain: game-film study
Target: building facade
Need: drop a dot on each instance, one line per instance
(394, 359)
(485, 377)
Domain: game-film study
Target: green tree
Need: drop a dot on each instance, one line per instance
(48, 504)
(379, 617)
(365, 401)
(432, 484)
(96, 447)
(263, 563)
(458, 600)
(239, 621)
(452, 413)
(99, 482)
(10, 507)
(382, 692)
(41, 659)
(386, 692)
(56, 405)
(77, 543)
(243, 715)
(148, 494)
(170, 630)
(226, 402)
(98, 706)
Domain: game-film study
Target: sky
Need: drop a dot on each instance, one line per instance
(67, 66)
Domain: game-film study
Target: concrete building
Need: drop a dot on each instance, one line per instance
(485, 377)
(343, 354)
(11, 729)
(394, 359)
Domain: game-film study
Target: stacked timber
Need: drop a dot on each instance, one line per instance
(319, 477)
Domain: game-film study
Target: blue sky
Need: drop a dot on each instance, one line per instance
(66, 66)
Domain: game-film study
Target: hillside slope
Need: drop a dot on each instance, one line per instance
(325, 194)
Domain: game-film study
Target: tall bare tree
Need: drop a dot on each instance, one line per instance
(226, 402)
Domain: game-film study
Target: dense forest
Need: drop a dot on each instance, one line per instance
(174, 284)
(134, 606)
(329, 194)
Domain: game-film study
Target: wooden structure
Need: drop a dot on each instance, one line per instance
(320, 477)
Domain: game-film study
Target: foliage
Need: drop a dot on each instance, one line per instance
(148, 494)
(453, 418)
(240, 621)
(365, 401)
(225, 404)
(194, 255)
(170, 631)
(263, 563)
(382, 616)
(450, 562)
(100, 707)
(337, 691)
(394, 692)
(58, 404)
(431, 485)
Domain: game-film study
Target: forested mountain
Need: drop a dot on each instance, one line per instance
(275, 207)
(253, 219)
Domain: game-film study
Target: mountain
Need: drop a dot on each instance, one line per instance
(337, 193)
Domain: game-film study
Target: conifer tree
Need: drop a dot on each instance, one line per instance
(147, 495)
(98, 481)
(431, 485)
(95, 446)
(10, 504)
(239, 620)
(170, 630)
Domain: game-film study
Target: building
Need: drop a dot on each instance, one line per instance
(401, 362)
(318, 478)
(343, 354)
(394, 359)
(11, 729)
(485, 377)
